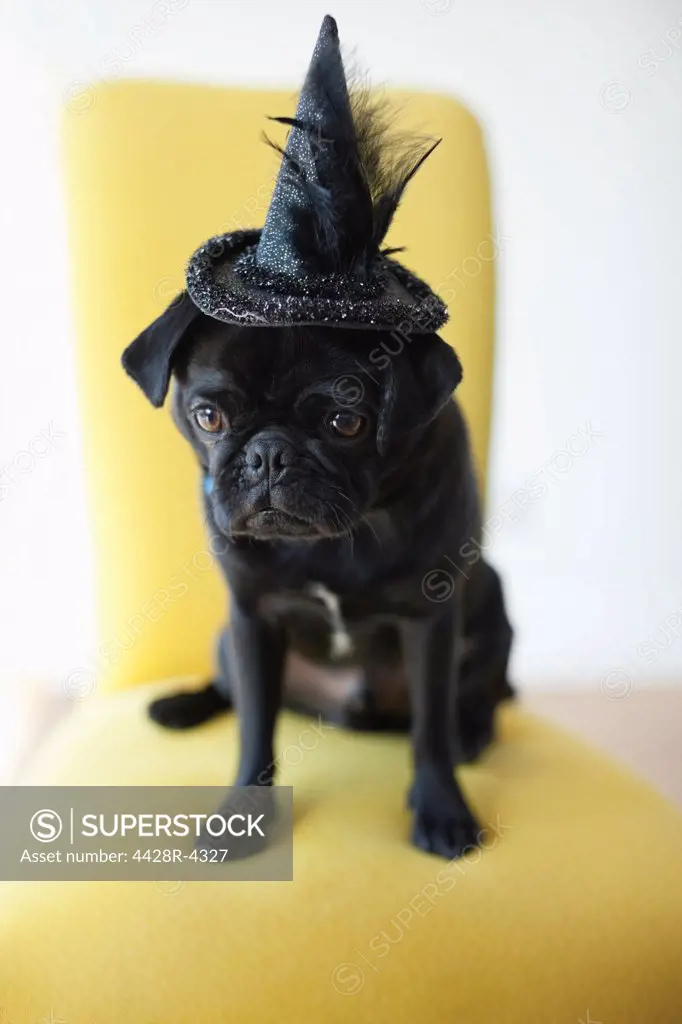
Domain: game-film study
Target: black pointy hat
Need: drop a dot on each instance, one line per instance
(318, 259)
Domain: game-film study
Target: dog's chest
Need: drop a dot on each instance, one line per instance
(340, 641)
(315, 615)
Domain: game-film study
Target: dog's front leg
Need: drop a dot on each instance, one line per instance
(256, 649)
(443, 823)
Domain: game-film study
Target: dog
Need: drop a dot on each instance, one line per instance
(339, 489)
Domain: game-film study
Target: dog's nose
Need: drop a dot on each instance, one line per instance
(268, 455)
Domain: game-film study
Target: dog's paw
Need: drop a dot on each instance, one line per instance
(442, 823)
(254, 812)
(447, 835)
(187, 709)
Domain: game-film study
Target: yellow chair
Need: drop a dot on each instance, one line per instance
(573, 911)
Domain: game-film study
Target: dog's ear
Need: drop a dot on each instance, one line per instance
(418, 381)
(149, 359)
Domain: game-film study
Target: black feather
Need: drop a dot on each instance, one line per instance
(349, 173)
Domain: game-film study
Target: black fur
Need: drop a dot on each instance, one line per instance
(148, 360)
(371, 519)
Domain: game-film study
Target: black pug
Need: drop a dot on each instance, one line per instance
(338, 482)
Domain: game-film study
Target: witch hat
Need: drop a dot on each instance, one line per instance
(317, 259)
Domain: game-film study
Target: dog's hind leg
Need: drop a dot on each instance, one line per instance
(483, 672)
(188, 708)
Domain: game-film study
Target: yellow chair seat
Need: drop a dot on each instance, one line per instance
(572, 914)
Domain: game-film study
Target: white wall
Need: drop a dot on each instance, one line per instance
(583, 130)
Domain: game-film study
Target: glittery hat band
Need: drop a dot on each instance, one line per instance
(225, 282)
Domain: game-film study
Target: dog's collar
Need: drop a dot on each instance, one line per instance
(208, 484)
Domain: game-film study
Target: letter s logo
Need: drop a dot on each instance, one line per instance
(46, 826)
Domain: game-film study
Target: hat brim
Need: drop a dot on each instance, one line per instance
(221, 287)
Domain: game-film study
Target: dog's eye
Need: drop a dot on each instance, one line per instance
(346, 423)
(209, 419)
